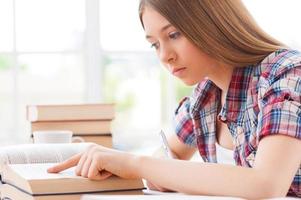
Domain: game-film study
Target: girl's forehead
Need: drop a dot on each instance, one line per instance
(153, 20)
(149, 12)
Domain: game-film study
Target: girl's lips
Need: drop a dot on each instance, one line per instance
(178, 71)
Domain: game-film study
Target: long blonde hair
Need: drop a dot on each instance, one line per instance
(224, 29)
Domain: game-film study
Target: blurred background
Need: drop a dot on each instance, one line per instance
(87, 51)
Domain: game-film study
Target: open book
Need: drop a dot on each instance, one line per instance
(40, 153)
(34, 179)
(24, 169)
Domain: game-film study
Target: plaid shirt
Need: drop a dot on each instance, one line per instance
(262, 99)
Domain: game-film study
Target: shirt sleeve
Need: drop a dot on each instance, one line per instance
(183, 123)
(280, 105)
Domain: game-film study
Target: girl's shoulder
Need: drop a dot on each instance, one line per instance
(279, 63)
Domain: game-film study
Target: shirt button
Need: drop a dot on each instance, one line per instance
(223, 118)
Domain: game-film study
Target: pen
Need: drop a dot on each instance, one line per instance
(165, 144)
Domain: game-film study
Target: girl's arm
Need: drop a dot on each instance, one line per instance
(277, 161)
(179, 151)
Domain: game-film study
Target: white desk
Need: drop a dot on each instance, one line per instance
(164, 197)
(154, 197)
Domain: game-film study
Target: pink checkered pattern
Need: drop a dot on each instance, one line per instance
(262, 99)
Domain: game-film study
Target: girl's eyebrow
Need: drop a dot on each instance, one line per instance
(161, 30)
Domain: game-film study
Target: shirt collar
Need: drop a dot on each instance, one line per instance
(206, 92)
(239, 86)
(237, 94)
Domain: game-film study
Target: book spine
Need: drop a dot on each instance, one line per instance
(102, 127)
(106, 141)
(70, 112)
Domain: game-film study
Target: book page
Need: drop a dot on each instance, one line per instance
(40, 153)
(39, 171)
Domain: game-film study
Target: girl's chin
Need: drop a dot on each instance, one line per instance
(190, 82)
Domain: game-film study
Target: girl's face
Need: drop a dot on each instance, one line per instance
(180, 56)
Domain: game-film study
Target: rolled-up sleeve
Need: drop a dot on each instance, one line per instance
(280, 106)
(183, 123)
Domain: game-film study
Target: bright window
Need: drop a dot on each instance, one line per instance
(77, 51)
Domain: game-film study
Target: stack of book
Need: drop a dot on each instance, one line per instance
(91, 122)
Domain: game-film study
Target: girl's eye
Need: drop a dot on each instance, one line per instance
(155, 45)
(174, 35)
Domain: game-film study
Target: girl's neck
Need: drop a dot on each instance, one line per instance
(221, 75)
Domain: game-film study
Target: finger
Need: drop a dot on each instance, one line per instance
(103, 174)
(71, 162)
(96, 173)
(80, 164)
(83, 159)
(86, 166)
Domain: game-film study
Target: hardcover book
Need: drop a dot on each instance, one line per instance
(80, 112)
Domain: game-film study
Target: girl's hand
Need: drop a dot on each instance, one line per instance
(98, 163)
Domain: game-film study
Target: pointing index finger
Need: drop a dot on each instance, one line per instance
(71, 162)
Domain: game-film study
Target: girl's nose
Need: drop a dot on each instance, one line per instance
(167, 55)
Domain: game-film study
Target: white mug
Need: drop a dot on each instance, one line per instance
(55, 136)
